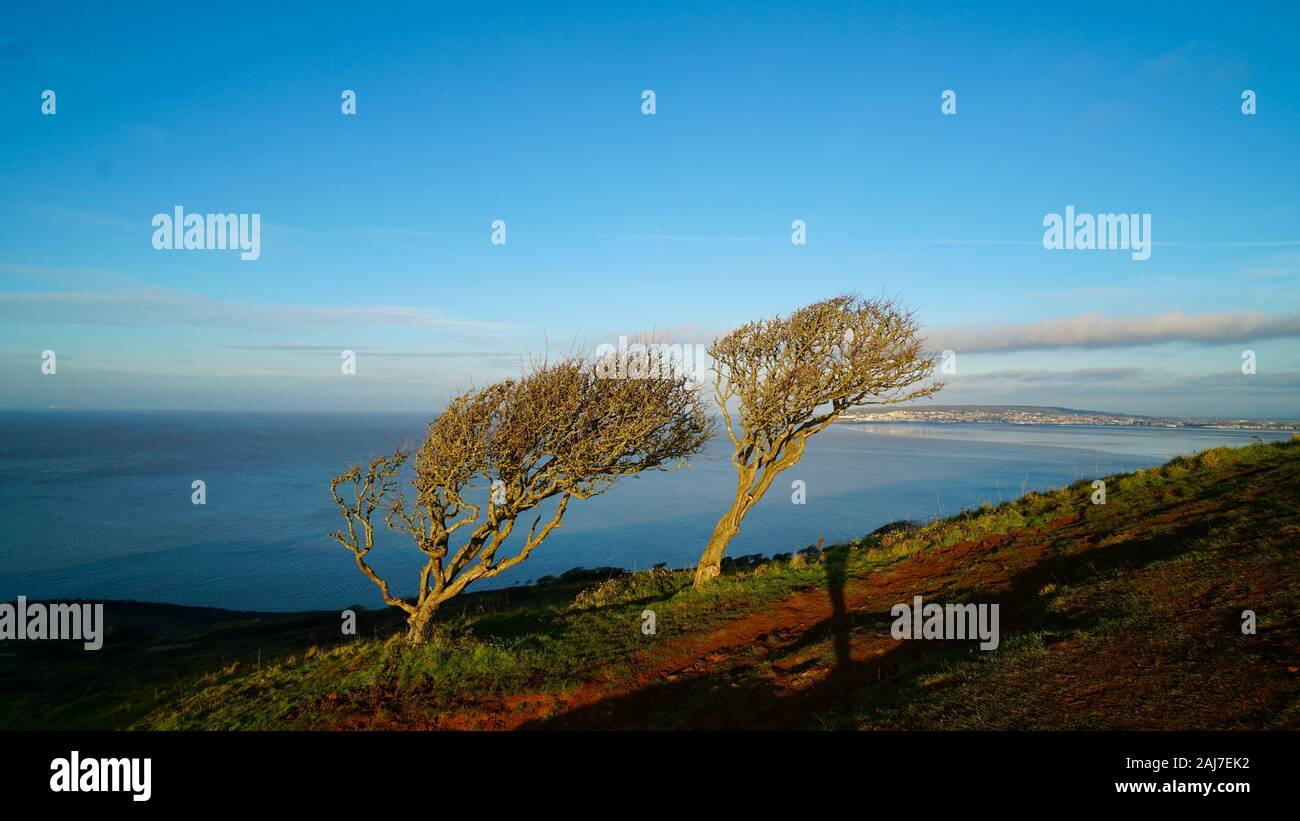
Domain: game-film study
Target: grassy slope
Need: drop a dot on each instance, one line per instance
(1118, 615)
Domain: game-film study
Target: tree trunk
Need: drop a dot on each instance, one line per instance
(710, 566)
(420, 624)
(748, 493)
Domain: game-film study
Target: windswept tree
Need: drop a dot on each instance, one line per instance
(790, 377)
(559, 432)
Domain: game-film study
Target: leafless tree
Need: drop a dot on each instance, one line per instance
(792, 376)
(560, 432)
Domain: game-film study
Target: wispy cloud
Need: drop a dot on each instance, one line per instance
(400, 232)
(683, 238)
(1268, 272)
(66, 276)
(1264, 243)
(1042, 376)
(1158, 391)
(1276, 380)
(1092, 292)
(1096, 331)
(167, 307)
(79, 216)
(1137, 380)
(1038, 242)
(494, 358)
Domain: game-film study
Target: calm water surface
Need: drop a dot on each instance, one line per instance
(97, 504)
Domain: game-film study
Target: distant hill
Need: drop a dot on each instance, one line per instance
(1007, 409)
(1047, 415)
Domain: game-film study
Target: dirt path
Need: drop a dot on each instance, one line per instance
(775, 660)
(808, 660)
(798, 659)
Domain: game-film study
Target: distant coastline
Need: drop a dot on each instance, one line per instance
(1045, 415)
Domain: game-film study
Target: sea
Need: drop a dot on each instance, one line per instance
(98, 505)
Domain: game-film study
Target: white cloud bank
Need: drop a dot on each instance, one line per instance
(1092, 331)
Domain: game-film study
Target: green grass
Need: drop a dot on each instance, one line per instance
(1206, 535)
(1156, 633)
(550, 648)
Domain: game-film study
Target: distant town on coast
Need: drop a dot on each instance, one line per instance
(1039, 415)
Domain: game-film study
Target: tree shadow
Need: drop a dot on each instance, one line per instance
(836, 563)
(743, 697)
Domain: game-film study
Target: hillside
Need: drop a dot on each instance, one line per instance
(1122, 615)
(1046, 415)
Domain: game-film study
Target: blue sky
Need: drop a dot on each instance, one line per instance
(376, 227)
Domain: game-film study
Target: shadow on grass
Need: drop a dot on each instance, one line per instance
(742, 697)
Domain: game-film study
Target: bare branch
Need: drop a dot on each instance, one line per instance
(559, 430)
